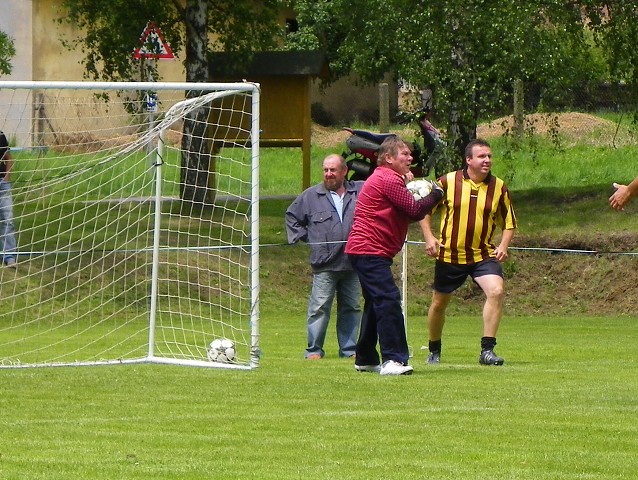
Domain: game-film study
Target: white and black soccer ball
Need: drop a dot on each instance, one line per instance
(419, 188)
(222, 350)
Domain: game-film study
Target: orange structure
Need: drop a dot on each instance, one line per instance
(285, 79)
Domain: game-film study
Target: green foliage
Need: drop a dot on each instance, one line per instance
(111, 29)
(615, 27)
(7, 52)
(470, 52)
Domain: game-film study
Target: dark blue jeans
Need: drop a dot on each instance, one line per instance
(382, 316)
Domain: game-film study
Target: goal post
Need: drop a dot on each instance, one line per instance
(113, 266)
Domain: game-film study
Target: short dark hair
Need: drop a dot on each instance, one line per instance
(477, 141)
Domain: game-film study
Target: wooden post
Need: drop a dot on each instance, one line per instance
(519, 110)
(39, 116)
(306, 136)
(384, 108)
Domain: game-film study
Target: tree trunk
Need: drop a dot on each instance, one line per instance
(197, 182)
(197, 178)
(519, 112)
(461, 131)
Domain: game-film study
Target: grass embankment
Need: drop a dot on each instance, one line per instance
(560, 190)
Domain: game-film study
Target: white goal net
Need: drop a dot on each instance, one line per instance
(135, 210)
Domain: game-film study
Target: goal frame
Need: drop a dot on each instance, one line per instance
(224, 89)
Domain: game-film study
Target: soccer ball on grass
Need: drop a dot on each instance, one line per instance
(221, 350)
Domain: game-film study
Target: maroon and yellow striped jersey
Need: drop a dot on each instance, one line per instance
(470, 213)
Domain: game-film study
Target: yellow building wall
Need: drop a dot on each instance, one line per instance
(53, 62)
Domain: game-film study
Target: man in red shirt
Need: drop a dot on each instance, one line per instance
(384, 210)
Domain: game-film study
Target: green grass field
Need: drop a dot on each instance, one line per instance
(564, 405)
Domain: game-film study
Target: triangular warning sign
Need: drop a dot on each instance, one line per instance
(152, 44)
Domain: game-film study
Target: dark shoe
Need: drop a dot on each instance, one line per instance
(488, 357)
(313, 356)
(368, 368)
(434, 358)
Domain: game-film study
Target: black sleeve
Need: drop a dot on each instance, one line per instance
(4, 145)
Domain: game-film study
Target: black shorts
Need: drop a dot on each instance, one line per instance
(448, 277)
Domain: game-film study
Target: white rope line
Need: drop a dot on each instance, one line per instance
(550, 250)
(521, 249)
(569, 251)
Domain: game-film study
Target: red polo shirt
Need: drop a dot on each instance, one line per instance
(385, 208)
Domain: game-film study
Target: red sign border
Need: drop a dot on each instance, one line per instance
(151, 27)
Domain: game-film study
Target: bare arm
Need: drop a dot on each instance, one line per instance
(432, 244)
(623, 194)
(501, 250)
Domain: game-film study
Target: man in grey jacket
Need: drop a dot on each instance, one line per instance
(322, 217)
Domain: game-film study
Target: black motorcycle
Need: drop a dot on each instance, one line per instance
(363, 147)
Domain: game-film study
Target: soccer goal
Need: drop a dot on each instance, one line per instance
(136, 214)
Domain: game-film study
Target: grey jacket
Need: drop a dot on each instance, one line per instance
(313, 218)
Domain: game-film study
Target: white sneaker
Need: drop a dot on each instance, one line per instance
(391, 367)
(368, 368)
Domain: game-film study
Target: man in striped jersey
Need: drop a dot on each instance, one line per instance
(475, 202)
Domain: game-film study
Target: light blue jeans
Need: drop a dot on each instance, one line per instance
(8, 244)
(348, 291)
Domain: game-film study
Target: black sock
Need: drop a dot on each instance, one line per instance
(488, 343)
(434, 346)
